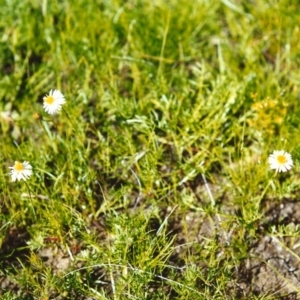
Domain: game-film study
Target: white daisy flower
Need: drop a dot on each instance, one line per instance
(53, 102)
(20, 171)
(280, 161)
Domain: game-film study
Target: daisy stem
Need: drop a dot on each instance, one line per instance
(68, 117)
(266, 188)
(46, 130)
(30, 196)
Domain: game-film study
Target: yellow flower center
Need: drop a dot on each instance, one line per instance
(18, 166)
(49, 100)
(281, 159)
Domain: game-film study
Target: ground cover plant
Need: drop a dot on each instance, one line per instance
(137, 149)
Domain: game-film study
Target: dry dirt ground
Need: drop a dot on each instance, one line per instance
(273, 265)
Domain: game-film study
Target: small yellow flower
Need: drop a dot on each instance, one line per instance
(36, 116)
(20, 171)
(280, 161)
(53, 102)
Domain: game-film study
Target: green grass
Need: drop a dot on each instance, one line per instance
(161, 96)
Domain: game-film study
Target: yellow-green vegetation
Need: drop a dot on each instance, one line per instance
(152, 181)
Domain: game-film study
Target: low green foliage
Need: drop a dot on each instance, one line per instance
(153, 180)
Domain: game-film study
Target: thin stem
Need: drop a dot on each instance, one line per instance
(137, 200)
(68, 117)
(30, 197)
(212, 200)
(46, 130)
